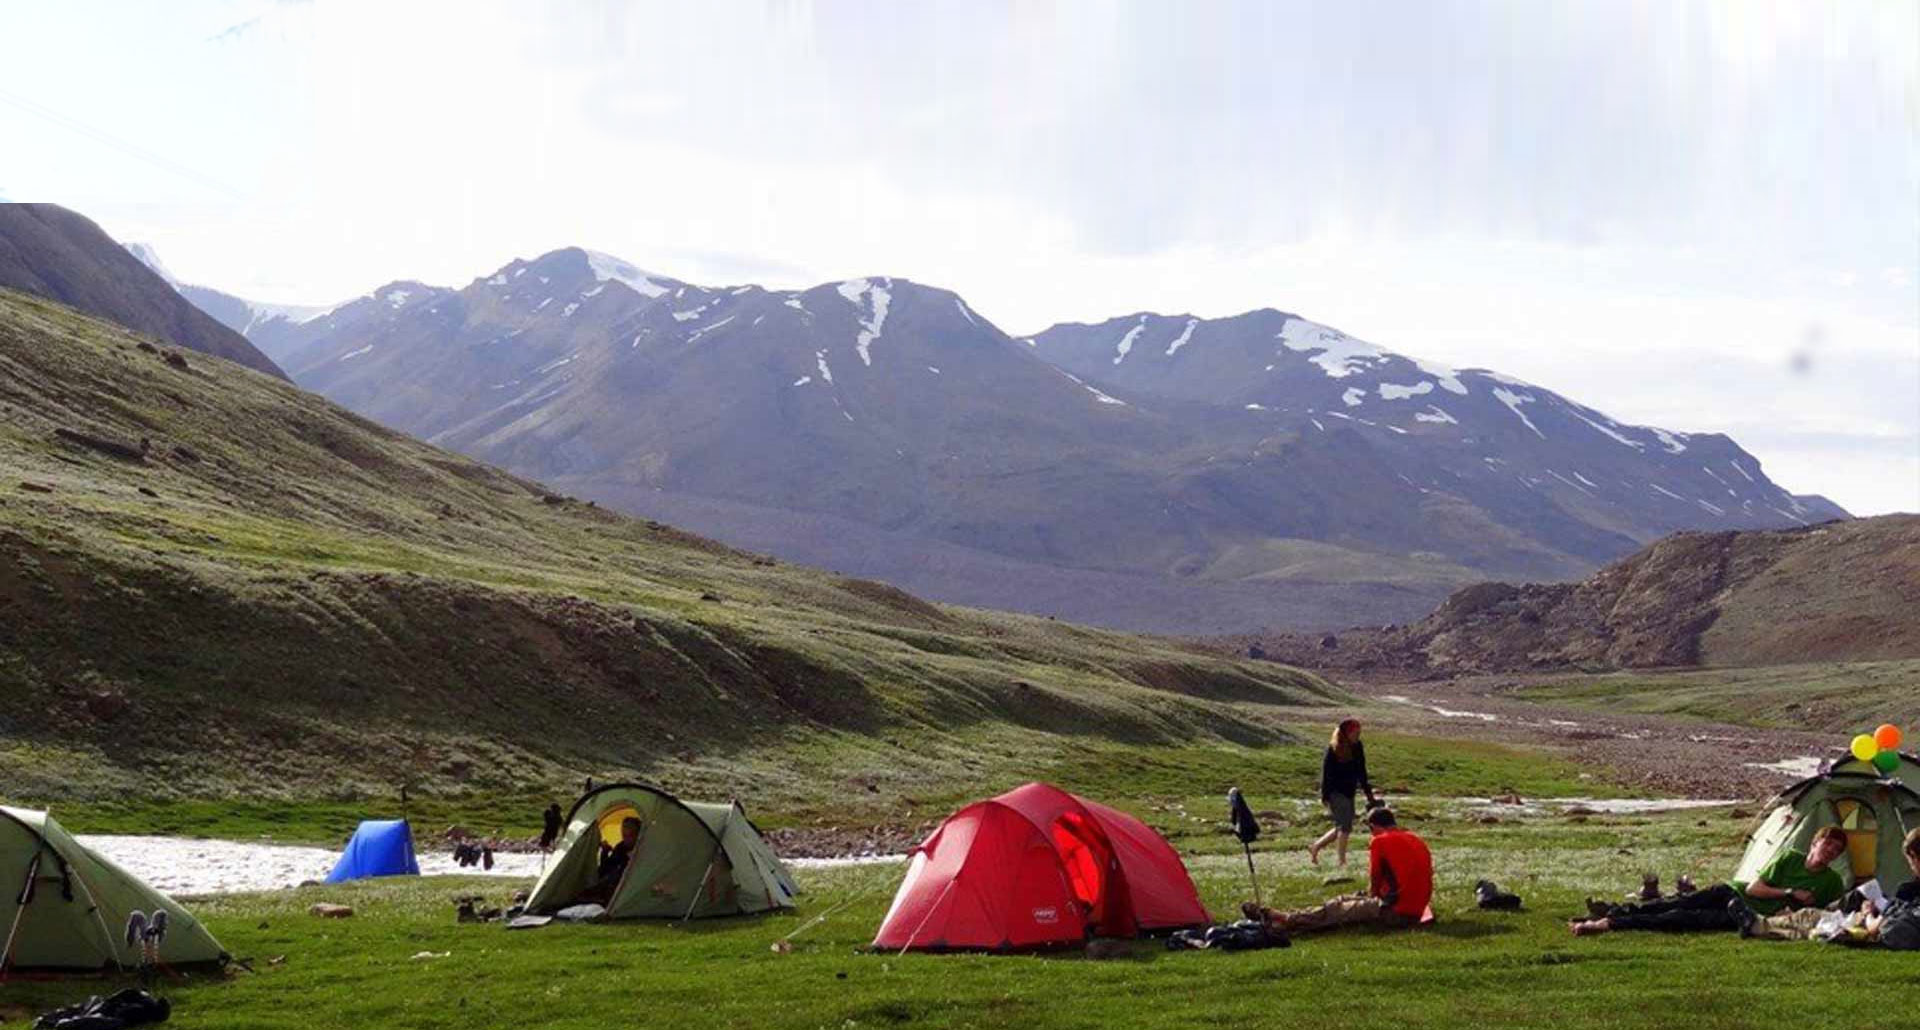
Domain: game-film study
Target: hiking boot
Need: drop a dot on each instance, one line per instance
(1598, 909)
(1684, 885)
(1650, 887)
(1744, 916)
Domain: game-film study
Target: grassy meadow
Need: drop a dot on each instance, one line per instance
(1471, 969)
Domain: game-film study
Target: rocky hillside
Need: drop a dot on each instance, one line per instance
(48, 250)
(213, 582)
(1842, 591)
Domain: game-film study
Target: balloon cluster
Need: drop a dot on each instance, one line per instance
(1881, 748)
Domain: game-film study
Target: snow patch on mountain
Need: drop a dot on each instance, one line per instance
(607, 267)
(1396, 392)
(1435, 413)
(1181, 340)
(962, 305)
(1615, 435)
(356, 353)
(820, 362)
(859, 292)
(1125, 346)
(1671, 441)
(705, 329)
(1354, 396)
(1513, 401)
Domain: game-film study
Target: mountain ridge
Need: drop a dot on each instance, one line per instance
(894, 404)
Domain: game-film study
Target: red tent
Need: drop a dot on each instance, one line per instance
(1037, 866)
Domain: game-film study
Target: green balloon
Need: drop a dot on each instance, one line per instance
(1887, 761)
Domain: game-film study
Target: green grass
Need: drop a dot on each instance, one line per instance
(843, 779)
(1471, 969)
(1841, 698)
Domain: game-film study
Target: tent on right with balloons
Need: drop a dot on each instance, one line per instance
(1872, 792)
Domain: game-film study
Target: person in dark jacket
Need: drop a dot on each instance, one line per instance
(552, 822)
(1343, 771)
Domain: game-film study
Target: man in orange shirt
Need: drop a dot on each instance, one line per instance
(1399, 890)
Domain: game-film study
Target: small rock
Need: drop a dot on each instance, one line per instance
(1329, 643)
(36, 488)
(176, 359)
(148, 491)
(326, 911)
(428, 956)
(1488, 820)
(106, 705)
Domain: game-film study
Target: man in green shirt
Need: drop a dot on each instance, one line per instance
(1804, 881)
(1793, 879)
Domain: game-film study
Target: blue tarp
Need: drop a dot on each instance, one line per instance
(380, 847)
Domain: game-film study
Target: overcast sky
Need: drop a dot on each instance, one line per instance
(1700, 216)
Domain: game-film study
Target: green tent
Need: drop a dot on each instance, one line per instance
(62, 907)
(1876, 809)
(692, 859)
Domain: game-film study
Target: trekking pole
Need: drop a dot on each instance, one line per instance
(1251, 875)
(1247, 829)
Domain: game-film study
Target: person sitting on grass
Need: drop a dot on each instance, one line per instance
(1399, 892)
(1792, 880)
(1894, 920)
(1343, 770)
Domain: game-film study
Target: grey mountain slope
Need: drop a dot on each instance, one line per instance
(884, 427)
(55, 253)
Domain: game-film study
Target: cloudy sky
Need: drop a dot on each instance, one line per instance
(1700, 216)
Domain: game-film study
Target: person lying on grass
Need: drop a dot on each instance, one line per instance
(1343, 770)
(1399, 890)
(1792, 880)
(1893, 920)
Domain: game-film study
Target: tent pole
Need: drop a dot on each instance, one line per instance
(931, 909)
(20, 910)
(719, 844)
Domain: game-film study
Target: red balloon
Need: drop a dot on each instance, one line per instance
(1887, 736)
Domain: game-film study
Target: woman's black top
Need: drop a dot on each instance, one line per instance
(1338, 777)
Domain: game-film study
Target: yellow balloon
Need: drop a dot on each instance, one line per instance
(1864, 748)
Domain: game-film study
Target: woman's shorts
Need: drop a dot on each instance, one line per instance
(1340, 807)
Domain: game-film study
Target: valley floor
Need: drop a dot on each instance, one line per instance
(402, 961)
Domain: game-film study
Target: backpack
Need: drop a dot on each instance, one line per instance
(1900, 927)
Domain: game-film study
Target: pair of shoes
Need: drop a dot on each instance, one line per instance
(1744, 916)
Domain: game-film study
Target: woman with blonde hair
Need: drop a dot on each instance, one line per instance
(1343, 770)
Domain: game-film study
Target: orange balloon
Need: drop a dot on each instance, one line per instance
(1887, 736)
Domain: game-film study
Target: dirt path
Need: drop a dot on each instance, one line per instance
(1662, 754)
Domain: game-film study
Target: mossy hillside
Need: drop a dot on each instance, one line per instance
(282, 600)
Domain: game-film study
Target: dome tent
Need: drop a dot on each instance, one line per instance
(1038, 867)
(1875, 809)
(65, 908)
(693, 859)
(378, 847)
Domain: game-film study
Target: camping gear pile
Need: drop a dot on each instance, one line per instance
(1038, 867)
(119, 1011)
